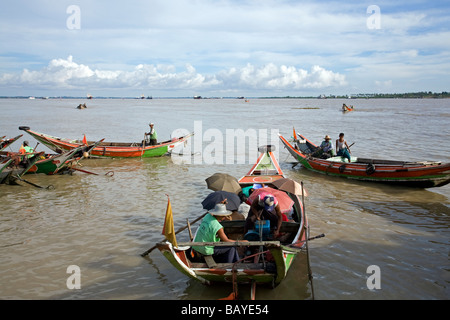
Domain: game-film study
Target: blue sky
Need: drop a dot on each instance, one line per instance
(222, 47)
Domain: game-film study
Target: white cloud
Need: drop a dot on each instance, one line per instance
(66, 73)
(224, 45)
(282, 77)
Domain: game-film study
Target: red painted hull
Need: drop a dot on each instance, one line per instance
(413, 174)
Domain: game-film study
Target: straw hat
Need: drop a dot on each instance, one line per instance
(327, 137)
(220, 210)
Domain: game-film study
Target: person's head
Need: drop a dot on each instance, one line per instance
(327, 138)
(151, 125)
(341, 135)
(25, 143)
(220, 212)
(269, 202)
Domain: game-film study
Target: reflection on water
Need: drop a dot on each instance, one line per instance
(102, 223)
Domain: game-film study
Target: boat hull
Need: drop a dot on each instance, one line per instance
(110, 149)
(7, 142)
(9, 174)
(278, 255)
(410, 174)
(272, 273)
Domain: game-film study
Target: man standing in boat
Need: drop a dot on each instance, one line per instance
(342, 148)
(151, 137)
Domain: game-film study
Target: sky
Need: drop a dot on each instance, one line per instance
(223, 48)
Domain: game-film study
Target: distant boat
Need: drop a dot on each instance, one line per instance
(31, 98)
(346, 108)
(197, 97)
(89, 96)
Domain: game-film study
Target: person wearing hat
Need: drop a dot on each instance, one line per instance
(327, 148)
(210, 230)
(151, 137)
(265, 207)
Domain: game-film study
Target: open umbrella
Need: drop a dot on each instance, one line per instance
(223, 182)
(233, 201)
(290, 186)
(284, 201)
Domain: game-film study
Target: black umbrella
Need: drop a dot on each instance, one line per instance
(233, 201)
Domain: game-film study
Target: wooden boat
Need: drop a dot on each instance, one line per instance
(109, 149)
(52, 164)
(61, 163)
(7, 142)
(425, 174)
(11, 173)
(4, 163)
(346, 108)
(273, 257)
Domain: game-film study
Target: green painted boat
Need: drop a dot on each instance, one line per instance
(264, 261)
(109, 149)
(417, 174)
(4, 163)
(61, 163)
(9, 174)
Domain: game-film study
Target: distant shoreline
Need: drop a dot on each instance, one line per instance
(413, 95)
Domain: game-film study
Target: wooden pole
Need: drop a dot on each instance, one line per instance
(178, 231)
(189, 229)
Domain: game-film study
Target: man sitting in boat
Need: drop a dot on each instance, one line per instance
(210, 230)
(265, 207)
(26, 150)
(325, 150)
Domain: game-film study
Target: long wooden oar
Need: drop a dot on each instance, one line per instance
(33, 184)
(310, 276)
(109, 173)
(178, 231)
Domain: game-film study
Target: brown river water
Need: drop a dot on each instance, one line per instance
(102, 224)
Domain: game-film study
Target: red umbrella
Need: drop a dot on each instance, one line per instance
(284, 201)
